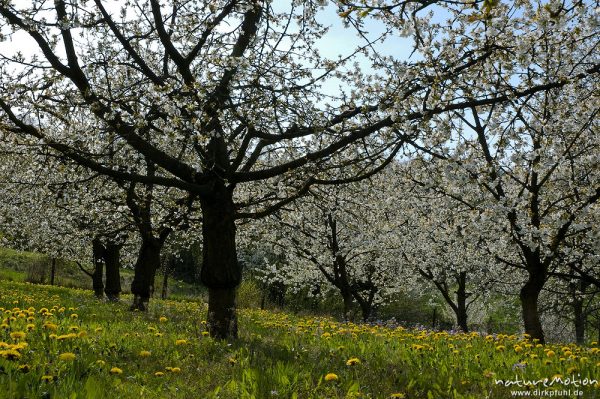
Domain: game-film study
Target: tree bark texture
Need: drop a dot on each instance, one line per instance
(529, 295)
(112, 254)
(580, 320)
(461, 302)
(147, 263)
(97, 275)
(52, 270)
(220, 272)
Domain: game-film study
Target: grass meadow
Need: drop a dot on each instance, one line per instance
(60, 342)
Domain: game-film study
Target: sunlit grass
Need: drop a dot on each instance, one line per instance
(66, 344)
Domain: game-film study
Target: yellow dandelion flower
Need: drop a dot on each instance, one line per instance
(550, 353)
(181, 342)
(17, 335)
(100, 363)
(47, 378)
(66, 336)
(50, 326)
(159, 374)
(67, 356)
(145, 353)
(205, 333)
(175, 370)
(20, 345)
(162, 319)
(10, 354)
(352, 361)
(331, 377)
(74, 316)
(116, 370)
(30, 327)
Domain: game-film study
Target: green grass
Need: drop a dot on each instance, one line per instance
(277, 355)
(35, 267)
(17, 260)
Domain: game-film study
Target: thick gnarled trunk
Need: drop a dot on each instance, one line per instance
(147, 263)
(221, 272)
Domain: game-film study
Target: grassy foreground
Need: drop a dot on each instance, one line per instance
(63, 343)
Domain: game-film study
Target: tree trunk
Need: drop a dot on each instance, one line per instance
(220, 272)
(147, 263)
(52, 271)
(222, 318)
(529, 295)
(461, 302)
(366, 309)
(165, 288)
(263, 299)
(98, 255)
(113, 271)
(579, 322)
(347, 297)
